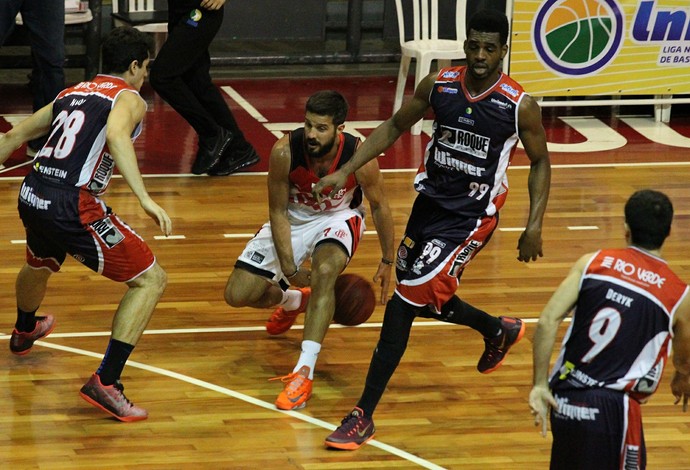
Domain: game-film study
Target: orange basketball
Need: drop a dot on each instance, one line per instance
(354, 300)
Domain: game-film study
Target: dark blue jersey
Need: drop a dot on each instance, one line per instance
(621, 329)
(473, 141)
(76, 153)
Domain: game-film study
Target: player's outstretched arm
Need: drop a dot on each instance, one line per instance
(680, 385)
(381, 138)
(128, 111)
(34, 126)
(533, 137)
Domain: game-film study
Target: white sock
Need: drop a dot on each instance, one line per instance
(291, 299)
(310, 352)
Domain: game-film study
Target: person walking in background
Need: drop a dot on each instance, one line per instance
(45, 21)
(479, 115)
(181, 76)
(91, 126)
(301, 228)
(628, 307)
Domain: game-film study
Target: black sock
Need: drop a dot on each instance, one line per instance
(26, 321)
(397, 322)
(114, 361)
(461, 313)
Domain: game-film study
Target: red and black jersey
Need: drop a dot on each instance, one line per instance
(302, 204)
(622, 324)
(76, 153)
(473, 141)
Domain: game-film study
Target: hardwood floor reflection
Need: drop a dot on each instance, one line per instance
(202, 369)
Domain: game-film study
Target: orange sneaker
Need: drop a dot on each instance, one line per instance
(297, 390)
(281, 320)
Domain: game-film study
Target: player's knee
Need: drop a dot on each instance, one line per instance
(158, 279)
(325, 271)
(235, 296)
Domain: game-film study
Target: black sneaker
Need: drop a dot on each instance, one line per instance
(234, 161)
(354, 431)
(210, 151)
(496, 349)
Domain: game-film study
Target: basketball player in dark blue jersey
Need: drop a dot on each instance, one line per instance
(628, 306)
(91, 127)
(480, 113)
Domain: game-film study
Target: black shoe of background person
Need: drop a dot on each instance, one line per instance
(235, 160)
(210, 151)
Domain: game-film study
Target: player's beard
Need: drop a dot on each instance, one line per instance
(320, 150)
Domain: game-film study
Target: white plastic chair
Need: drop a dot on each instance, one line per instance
(425, 45)
(142, 14)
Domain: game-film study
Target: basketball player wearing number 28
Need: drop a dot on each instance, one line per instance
(91, 128)
(479, 115)
(302, 227)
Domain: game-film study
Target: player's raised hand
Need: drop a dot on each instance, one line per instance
(330, 185)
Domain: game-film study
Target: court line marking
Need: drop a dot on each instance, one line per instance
(244, 104)
(244, 329)
(240, 396)
(5, 169)
(247, 399)
(388, 170)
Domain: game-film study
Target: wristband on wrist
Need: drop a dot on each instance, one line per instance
(293, 274)
(387, 261)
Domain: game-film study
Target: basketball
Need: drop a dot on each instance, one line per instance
(354, 300)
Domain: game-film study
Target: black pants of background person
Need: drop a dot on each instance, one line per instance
(181, 76)
(46, 24)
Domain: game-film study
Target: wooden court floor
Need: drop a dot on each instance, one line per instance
(202, 368)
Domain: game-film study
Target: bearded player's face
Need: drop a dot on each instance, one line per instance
(320, 134)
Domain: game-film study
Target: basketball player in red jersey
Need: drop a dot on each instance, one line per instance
(628, 306)
(91, 127)
(479, 115)
(300, 227)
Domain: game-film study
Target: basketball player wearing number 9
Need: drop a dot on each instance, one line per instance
(603, 329)
(629, 309)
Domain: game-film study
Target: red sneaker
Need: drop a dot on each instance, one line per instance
(22, 342)
(281, 320)
(111, 399)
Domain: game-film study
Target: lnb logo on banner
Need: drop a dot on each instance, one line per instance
(578, 37)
